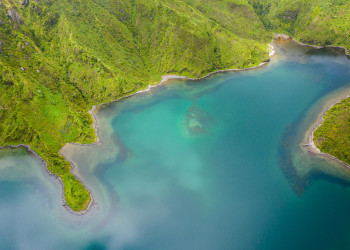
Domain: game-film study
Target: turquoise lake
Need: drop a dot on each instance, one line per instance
(210, 164)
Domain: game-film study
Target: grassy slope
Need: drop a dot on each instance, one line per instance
(318, 22)
(60, 57)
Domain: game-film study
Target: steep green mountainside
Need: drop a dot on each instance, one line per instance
(317, 22)
(58, 58)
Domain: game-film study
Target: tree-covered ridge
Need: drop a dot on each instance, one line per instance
(58, 58)
(317, 22)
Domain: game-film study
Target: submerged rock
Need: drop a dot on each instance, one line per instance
(198, 121)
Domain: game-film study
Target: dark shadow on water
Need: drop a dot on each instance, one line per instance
(316, 175)
(124, 151)
(96, 246)
(285, 160)
(327, 51)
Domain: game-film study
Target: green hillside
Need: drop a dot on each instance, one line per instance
(317, 22)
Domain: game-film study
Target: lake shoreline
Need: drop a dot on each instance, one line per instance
(287, 37)
(43, 162)
(98, 141)
(165, 78)
(309, 143)
(93, 111)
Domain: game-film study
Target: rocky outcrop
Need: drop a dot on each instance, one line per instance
(25, 2)
(290, 15)
(14, 16)
(279, 37)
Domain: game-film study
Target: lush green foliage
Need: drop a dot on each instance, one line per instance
(333, 136)
(318, 22)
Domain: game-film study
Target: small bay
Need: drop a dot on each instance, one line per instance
(211, 164)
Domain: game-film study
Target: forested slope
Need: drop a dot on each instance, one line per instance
(316, 22)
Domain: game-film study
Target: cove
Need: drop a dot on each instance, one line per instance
(212, 164)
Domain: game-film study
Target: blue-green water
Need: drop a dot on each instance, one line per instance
(210, 164)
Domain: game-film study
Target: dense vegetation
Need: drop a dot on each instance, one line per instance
(317, 22)
(60, 57)
(333, 136)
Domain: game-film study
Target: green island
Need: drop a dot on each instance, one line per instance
(58, 58)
